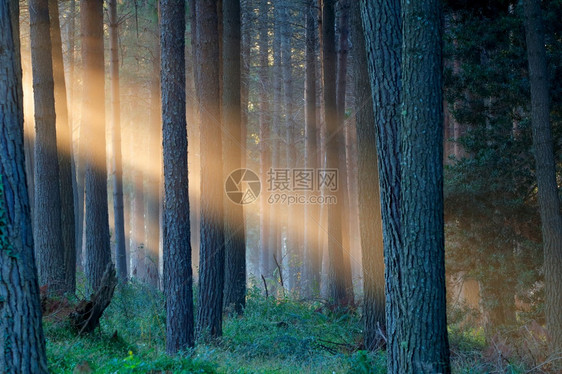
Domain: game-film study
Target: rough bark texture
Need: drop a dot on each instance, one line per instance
(119, 217)
(47, 212)
(312, 253)
(22, 345)
(369, 192)
(234, 149)
(382, 27)
(177, 248)
(97, 253)
(549, 203)
(64, 146)
(334, 140)
(422, 327)
(211, 255)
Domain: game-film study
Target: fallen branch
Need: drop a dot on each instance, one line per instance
(86, 316)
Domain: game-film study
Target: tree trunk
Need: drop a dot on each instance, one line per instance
(120, 254)
(341, 87)
(334, 141)
(420, 283)
(22, 344)
(382, 28)
(312, 264)
(152, 193)
(549, 203)
(47, 220)
(65, 153)
(177, 248)
(234, 149)
(266, 267)
(369, 192)
(211, 257)
(98, 253)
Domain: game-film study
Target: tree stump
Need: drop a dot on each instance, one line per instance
(86, 316)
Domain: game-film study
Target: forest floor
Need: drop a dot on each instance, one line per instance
(273, 336)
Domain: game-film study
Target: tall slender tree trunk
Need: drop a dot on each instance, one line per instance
(234, 150)
(177, 247)
(98, 253)
(211, 257)
(152, 193)
(312, 265)
(47, 222)
(334, 141)
(137, 223)
(369, 192)
(265, 138)
(549, 203)
(65, 153)
(22, 344)
(341, 88)
(276, 211)
(119, 217)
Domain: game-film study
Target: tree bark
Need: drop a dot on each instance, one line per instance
(177, 247)
(382, 27)
(334, 141)
(420, 285)
(98, 253)
(211, 257)
(549, 203)
(22, 344)
(312, 249)
(47, 219)
(341, 88)
(65, 153)
(152, 193)
(369, 192)
(120, 254)
(234, 149)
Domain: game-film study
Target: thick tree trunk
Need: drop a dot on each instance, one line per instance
(234, 149)
(211, 257)
(549, 203)
(47, 219)
(119, 217)
(98, 253)
(177, 248)
(369, 192)
(420, 283)
(382, 27)
(22, 344)
(65, 153)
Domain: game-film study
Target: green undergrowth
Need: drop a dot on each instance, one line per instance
(273, 336)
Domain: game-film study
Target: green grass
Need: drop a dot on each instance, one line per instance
(273, 336)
